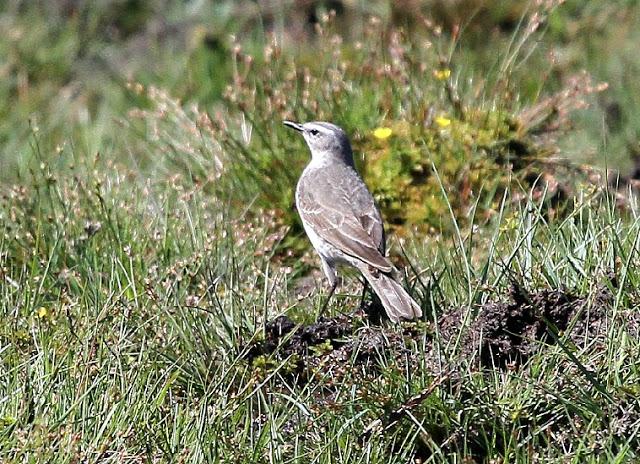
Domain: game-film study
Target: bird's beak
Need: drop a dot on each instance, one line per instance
(293, 125)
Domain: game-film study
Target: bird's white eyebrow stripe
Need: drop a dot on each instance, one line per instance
(318, 128)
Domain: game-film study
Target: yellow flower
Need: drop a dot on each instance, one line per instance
(42, 312)
(443, 121)
(382, 133)
(442, 74)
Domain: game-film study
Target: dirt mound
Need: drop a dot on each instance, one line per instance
(289, 338)
(332, 346)
(509, 331)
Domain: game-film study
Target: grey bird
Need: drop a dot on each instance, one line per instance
(342, 220)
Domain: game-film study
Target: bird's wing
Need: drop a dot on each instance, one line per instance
(367, 212)
(337, 214)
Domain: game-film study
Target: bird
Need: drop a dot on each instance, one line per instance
(342, 221)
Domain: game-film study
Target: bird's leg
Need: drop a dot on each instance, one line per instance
(332, 277)
(365, 287)
(334, 284)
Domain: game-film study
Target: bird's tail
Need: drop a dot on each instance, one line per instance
(395, 299)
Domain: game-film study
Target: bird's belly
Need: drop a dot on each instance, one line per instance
(327, 252)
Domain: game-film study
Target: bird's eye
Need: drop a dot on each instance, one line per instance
(314, 132)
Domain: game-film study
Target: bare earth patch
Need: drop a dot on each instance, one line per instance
(510, 330)
(507, 330)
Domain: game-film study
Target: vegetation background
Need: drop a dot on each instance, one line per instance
(159, 298)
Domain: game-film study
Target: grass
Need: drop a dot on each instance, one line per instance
(130, 344)
(147, 244)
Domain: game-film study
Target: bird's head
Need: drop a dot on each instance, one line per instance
(325, 140)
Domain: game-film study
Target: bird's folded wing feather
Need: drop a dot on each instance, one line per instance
(334, 221)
